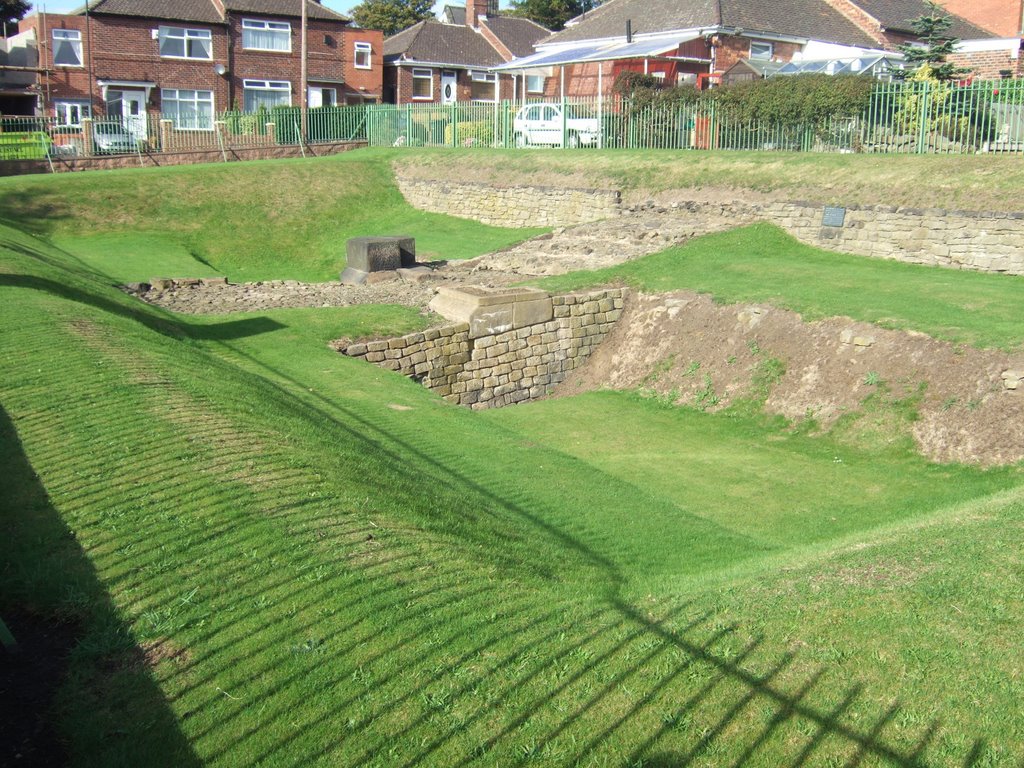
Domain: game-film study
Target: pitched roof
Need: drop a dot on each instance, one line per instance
(518, 35)
(810, 19)
(438, 43)
(181, 10)
(284, 8)
(456, 44)
(898, 16)
(205, 11)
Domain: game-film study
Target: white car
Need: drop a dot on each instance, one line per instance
(542, 124)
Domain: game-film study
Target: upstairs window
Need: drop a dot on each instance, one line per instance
(363, 56)
(761, 51)
(67, 48)
(260, 35)
(181, 43)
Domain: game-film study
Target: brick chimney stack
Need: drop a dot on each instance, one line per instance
(479, 8)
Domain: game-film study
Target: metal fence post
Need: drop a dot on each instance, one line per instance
(923, 116)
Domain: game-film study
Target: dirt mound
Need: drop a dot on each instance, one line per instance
(954, 400)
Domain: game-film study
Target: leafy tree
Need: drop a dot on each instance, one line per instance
(552, 13)
(11, 11)
(391, 16)
(932, 29)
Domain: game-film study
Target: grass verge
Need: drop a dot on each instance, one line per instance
(762, 263)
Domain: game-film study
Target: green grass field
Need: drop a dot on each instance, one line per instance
(276, 555)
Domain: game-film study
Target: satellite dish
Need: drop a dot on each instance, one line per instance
(220, 69)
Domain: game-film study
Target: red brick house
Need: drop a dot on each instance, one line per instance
(695, 41)
(449, 61)
(189, 60)
(1004, 18)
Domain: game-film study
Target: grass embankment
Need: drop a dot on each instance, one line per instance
(764, 264)
(247, 221)
(281, 556)
(945, 181)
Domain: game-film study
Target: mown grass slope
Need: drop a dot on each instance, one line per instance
(762, 263)
(277, 555)
(248, 221)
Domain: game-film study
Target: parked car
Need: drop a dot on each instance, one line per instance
(543, 124)
(112, 139)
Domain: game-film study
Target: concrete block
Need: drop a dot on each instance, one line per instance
(373, 254)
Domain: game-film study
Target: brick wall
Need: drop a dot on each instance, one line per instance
(400, 78)
(494, 370)
(1003, 17)
(123, 48)
(731, 49)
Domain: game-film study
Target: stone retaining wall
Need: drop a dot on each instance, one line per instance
(511, 206)
(980, 241)
(493, 370)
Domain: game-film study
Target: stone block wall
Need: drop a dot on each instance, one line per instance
(493, 370)
(979, 241)
(511, 206)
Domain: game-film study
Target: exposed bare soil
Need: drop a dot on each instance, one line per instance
(686, 348)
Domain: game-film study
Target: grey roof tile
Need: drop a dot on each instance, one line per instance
(518, 35)
(284, 8)
(182, 10)
(433, 41)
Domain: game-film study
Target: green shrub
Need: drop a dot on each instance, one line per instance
(480, 132)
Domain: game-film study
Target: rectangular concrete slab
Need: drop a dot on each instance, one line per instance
(373, 254)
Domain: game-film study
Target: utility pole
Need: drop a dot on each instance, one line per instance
(303, 76)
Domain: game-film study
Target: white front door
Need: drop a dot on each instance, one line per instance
(449, 88)
(130, 108)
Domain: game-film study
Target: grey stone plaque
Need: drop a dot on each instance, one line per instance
(833, 216)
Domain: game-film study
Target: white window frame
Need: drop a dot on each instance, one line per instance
(491, 78)
(366, 49)
(531, 83)
(185, 34)
(72, 37)
(263, 25)
(767, 50)
(277, 86)
(165, 97)
(62, 111)
(324, 90)
(422, 74)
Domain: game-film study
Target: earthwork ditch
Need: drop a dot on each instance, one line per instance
(967, 405)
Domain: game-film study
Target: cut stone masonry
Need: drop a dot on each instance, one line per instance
(506, 346)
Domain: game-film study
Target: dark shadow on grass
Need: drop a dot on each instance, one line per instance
(867, 741)
(109, 704)
(225, 331)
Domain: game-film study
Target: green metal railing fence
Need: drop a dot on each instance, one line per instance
(908, 117)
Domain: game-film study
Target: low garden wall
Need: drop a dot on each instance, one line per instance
(511, 206)
(156, 159)
(470, 366)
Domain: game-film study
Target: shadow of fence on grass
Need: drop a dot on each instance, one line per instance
(313, 634)
(667, 690)
(49, 591)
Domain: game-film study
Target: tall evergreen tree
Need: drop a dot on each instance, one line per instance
(391, 16)
(932, 29)
(552, 13)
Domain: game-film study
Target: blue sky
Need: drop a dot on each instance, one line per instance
(63, 6)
